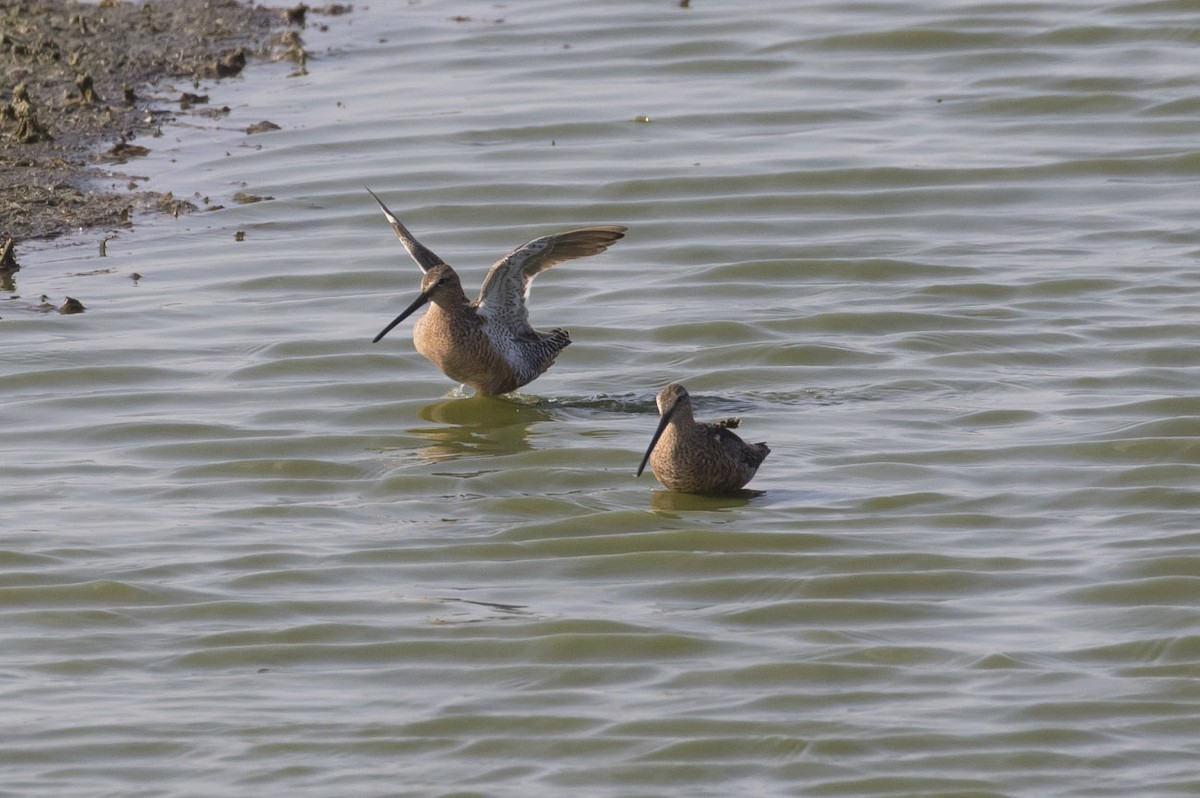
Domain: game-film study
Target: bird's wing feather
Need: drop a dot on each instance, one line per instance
(752, 454)
(424, 256)
(506, 286)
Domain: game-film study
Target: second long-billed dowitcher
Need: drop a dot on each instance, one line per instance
(693, 457)
(489, 343)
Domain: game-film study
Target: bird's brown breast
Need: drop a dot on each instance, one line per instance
(457, 344)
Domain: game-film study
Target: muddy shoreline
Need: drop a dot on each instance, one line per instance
(83, 93)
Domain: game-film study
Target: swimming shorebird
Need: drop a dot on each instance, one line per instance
(489, 343)
(693, 457)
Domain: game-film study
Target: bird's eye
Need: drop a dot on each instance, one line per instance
(441, 281)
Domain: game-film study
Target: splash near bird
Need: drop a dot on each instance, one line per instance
(489, 343)
(693, 457)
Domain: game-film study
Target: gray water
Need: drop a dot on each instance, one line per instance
(942, 257)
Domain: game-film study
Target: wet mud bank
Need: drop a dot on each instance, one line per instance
(86, 89)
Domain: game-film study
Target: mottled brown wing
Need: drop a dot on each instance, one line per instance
(424, 256)
(506, 287)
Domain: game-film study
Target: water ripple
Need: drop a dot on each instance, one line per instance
(941, 261)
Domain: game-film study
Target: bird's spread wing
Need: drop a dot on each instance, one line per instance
(506, 286)
(424, 257)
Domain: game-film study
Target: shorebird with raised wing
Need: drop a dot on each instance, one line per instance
(489, 344)
(688, 456)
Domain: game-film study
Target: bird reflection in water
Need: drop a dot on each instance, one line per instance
(669, 501)
(476, 425)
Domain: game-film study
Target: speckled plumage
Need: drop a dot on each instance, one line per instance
(688, 456)
(489, 344)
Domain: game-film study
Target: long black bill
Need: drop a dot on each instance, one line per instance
(662, 426)
(408, 311)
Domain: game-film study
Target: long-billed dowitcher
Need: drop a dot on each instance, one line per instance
(489, 343)
(693, 457)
